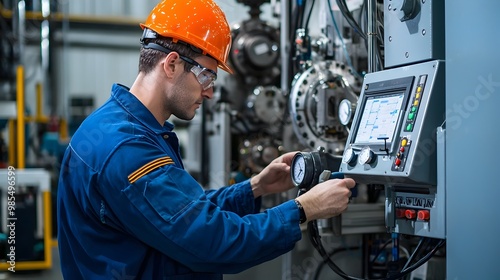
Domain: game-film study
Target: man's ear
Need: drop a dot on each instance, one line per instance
(171, 63)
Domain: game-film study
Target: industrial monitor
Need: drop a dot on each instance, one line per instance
(392, 136)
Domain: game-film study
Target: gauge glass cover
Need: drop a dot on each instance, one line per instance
(298, 169)
(345, 111)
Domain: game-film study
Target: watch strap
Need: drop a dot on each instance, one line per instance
(302, 213)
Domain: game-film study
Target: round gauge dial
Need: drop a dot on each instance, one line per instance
(298, 169)
(366, 156)
(348, 156)
(345, 111)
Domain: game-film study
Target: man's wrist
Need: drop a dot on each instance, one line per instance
(256, 189)
(302, 213)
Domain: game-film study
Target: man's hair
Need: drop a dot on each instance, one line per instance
(149, 58)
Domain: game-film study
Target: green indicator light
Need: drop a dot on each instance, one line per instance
(411, 116)
(413, 109)
(409, 127)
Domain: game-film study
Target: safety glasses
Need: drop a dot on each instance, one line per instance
(206, 77)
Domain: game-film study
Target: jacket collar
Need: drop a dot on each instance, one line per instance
(136, 109)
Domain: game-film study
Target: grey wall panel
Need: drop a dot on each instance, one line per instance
(472, 103)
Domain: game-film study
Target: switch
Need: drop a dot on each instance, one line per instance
(404, 142)
(424, 215)
(397, 162)
(400, 213)
(410, 214)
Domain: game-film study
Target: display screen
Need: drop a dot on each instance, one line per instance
(379, 118)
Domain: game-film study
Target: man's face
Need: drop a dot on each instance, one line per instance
(188, 94)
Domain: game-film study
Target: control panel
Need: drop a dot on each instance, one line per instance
(393, 135)
(394, 141)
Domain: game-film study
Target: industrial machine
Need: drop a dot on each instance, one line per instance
(394, 130)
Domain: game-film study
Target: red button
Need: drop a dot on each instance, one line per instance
(402, 149)
(410, 214)
(424, 215)
(400, 213)
(397, 162)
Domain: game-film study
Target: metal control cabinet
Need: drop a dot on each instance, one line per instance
(413, 31)
(394, 142)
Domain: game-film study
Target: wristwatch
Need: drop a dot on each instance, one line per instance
(302, 213)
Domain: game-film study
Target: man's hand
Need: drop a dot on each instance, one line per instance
(275, 178)
(327, 199)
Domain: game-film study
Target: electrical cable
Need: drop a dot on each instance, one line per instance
(350, 19)
(415, 252)
(315, 239)
(346, 53)
(381, 249)
(309, 16)
(317, 273)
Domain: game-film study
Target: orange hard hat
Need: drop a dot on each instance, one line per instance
(200, 23)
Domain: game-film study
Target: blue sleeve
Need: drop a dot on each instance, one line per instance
(168, 210)
(237, 198)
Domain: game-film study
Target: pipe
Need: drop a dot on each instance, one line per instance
(372, 35)
(285, 46)
(20, 117)
(21, 29)
(45, 51)
(12, 142)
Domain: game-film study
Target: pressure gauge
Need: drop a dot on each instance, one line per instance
(298, 169)
(345, 111)
(302, 169)
(307, 167)
(349, 156)
(366, 156)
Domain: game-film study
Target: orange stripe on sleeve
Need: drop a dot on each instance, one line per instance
(148, 167)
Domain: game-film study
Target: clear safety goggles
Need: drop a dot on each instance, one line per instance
(206, 77)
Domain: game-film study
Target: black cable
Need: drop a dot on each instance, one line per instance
(350, 19)
(315, 238)
(380, 250)
(309, 15)
(317, 273)
(415, 252)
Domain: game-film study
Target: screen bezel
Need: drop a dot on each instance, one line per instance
(380, 90)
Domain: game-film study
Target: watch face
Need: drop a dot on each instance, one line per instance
(298, 169)
(345, 111)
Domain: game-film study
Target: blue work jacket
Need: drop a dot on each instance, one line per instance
(127, 209)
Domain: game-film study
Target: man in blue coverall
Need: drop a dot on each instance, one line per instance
(127, 209)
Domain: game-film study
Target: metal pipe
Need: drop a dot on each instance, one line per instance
(39, 106)
(285, 45)
(12, 142)
(45, 49)
(286, 263)
(20, 117)
(21, 29)
(372, 35)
